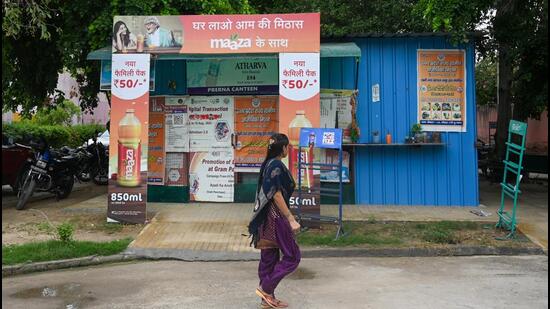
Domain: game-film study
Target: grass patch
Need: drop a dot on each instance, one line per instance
(372, 233)
(57, 250)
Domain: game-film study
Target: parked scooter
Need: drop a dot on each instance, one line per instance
(50, 171)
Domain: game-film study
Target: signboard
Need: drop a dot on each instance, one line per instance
(337, 102)
(210, 123)
(441, 90)
(321, 138)
(177, 169)
(255, 122)
(129, 138)
(105, 76)
(232, 76)
(177, 124)
(211, 176)
(217, 34)
(156, 157)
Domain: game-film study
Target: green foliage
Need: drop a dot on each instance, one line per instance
(416, 128)
(57, 250)
(60, 114)
(56, 135)
(486, 82)
(65, 232)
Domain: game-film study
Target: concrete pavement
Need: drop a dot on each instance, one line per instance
(444, 282)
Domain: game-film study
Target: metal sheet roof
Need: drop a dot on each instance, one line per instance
(346, 49)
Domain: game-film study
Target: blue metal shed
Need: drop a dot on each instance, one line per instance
(432, 176)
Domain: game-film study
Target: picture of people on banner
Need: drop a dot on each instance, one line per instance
(137, 34)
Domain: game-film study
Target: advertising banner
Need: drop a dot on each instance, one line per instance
(337, 102)
(441, 90)
(177, 124)
(255, 122)
(211, 176)
(105, 76)
(232, 76)
(217, 34)
(129, 136)
(156, 158)
(299, 81)
(177, 169)
(211, 123)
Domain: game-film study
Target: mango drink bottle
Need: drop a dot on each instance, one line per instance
(129, 150)
(300, 121)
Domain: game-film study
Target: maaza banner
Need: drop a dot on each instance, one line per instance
(210, 123)
(156, 157)
(441, 90)
(255, 121)
(232, 76)
(211, 176)
(299, 81)
(129, 138)
(105, 76)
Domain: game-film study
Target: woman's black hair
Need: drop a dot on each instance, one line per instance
(275, 148)
(125, 37)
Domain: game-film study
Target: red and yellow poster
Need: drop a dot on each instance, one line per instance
(255, 121)
(156, 158)
(299, 107)
(129, 138)
(442, 90)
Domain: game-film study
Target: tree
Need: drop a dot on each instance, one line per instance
(44, 37)
(486, 82)
(61, 114)
(518, 34)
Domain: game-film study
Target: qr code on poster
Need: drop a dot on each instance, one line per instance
(178, 119)
(328, 138)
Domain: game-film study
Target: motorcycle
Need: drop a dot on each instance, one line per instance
(50, 171)
(95, 162)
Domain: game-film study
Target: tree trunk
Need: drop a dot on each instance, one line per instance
(504, 109)
(505, 9)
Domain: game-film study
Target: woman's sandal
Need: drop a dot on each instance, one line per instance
(280, 304)
(269, 300)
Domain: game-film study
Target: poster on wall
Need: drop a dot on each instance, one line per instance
(129, 136)
(441, 90)
(177, 124)
(156, 158)
(211, 176)
(177, 169)
(211, 123)
(330, 156)
(337, 102)
(255, 122)
(238, 76)
(299, 81)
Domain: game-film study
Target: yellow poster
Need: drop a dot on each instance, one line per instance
(441, 90)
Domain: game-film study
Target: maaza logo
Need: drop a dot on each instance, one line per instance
(233, 43)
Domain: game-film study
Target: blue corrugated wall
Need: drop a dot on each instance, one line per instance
(432, 176)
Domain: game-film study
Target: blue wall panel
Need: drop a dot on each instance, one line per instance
(433, 176)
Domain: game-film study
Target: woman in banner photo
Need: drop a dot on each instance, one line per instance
(273, 226)
(122, 38)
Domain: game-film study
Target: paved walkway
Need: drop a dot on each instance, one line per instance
(218, 228)
(440, 282)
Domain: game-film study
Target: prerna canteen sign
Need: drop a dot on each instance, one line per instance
(232, 76)
(441, 90)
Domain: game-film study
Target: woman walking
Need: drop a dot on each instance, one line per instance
(272, 225)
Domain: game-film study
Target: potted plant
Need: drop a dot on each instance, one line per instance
(417, 132)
